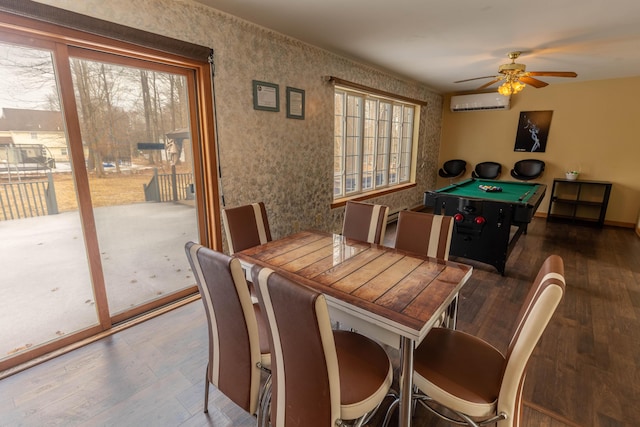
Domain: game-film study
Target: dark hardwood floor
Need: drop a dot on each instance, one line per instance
(584, 372)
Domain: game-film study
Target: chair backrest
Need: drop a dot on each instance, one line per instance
(234, 341)
(424, 233)
(246, 226)
(365, 222)
(487, 170)
(541, 302)
(528, 169)
(453, 168)
(304, 365)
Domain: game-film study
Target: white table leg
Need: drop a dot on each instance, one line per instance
(406, 381)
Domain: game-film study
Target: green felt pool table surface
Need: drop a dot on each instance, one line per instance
(512, 191)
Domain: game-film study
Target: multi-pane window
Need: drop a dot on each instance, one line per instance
(373, 142)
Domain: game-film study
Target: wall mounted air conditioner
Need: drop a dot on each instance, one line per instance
(480, 101)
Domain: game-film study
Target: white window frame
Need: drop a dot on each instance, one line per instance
(372, 138)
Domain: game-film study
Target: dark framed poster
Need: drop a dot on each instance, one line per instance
(533, 131)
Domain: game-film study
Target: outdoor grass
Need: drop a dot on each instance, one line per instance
(122, 188)
(113, 189)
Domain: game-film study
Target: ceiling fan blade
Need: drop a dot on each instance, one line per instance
(489, 84)
(553, 73)
(533, 82)
(475, 78)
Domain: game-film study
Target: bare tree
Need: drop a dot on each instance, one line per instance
(118, 106)
(31, 72)
(88, 113)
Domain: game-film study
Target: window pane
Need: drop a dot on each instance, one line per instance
(394, 154)
(338, 146)
(407, 137)
(135, 128)
(46, 290)
(369, 144)
(382, 161)
(353, 144)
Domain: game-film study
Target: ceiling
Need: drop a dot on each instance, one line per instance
(437, 42)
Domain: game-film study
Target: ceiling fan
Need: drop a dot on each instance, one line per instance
(515, 76)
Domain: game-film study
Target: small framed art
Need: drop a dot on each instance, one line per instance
(266, 96)
(295, 103)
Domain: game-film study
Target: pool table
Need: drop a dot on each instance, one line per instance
(485, 211)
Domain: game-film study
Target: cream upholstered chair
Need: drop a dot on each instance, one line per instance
(427, 234)
(365, 222)
(320, 377)
(246, 226)
(238, 332)
(471, 377)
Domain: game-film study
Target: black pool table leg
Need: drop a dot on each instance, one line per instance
(500, 266)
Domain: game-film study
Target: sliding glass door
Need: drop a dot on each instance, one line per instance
(101, 186)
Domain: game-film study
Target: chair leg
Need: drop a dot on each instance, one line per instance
(390, 411)
(462, 419)
(264, 406)
(364, 420)
(206, 390)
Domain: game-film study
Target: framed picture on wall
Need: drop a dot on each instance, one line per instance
(266, 96)
(533, 131)
(295, 103)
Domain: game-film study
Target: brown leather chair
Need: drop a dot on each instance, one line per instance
(427, 234)
(320, 376)
(424, 233)
(246, 226)
(238, 333)
(365, 222)
(472, 378)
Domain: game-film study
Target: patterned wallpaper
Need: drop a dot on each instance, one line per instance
(286, 163)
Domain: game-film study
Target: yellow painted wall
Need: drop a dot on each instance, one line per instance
(595, 127)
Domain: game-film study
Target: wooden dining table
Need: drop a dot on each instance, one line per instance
(393, 296)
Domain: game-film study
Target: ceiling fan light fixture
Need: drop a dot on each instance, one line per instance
(513, 74)
(517, 86)
(511, 87)
(504, 89)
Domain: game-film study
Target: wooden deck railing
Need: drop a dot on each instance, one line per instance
(170, 187)
(27, 199)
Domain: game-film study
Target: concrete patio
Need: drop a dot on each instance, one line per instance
(45, 286)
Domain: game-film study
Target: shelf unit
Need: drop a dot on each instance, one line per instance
(579, 201)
